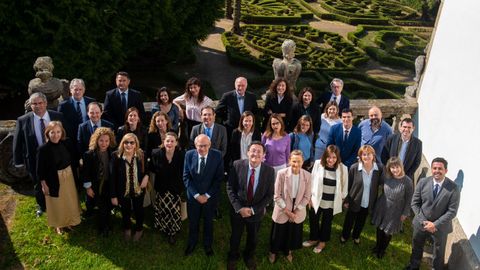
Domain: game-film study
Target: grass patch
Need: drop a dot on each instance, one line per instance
(38, 247)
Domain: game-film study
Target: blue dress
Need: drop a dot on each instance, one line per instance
(322, 138)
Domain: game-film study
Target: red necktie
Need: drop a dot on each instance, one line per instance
(251, 182)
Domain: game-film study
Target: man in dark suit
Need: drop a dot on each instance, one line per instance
(346, 137)
(336, 87)
(74, 109)
(250, 188)
(435, 203)
(86, 129)
(404, 146)
(234, 103)
(118, 100)
(216, 132)
(202, 175)
(29, 135)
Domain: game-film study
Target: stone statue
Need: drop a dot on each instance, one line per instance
(44, 82)
(411, 90)
(288, 67)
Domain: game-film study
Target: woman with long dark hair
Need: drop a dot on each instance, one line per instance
(133, 124)
(165, 104)
(279, 100)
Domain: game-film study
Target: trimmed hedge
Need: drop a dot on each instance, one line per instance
(273, 12)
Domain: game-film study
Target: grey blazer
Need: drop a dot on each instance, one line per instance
(219, 137)
(440, 210)
(355, 187)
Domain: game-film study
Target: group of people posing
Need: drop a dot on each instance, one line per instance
(307, 158)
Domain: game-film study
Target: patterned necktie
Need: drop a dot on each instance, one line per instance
(79, 113)
(94, 128)
(345, 137)
(435, 190)
(124, 102)
(251, 183)
(202, 164)
(42, 129)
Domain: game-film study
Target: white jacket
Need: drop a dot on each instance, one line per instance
(341, 190)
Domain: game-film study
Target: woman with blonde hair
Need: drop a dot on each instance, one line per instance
(129, 178)
(328, 119)
(54, 160)
(95, 174)
(364, 178)
(393, 206)
(159, 126)
(329, 189)
(292, 194)
(302, 139)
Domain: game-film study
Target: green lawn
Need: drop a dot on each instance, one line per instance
(38, 247)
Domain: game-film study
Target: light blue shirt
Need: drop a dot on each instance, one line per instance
(82, 108)
(403, 150)
(375, 139)
(257, 176)
(36, 125)
(367, 181)
(240, 101)
(208, 130)
(98, 124)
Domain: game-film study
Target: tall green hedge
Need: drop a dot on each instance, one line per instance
(94, 39)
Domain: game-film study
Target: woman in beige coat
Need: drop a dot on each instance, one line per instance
(292, 194)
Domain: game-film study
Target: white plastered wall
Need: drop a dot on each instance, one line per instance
(449, 106)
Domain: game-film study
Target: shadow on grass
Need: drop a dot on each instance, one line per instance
(8, 256)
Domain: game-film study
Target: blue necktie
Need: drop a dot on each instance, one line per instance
(79, 112)
(435, 190)
(124, 102)
(208, 132)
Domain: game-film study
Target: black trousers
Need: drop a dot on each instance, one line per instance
(126, 205)
(238, 225)
(355, 220)
(383, 240)
(195, 212)
(418, 242)
(39, 196)
(321, 232)
(104, 206)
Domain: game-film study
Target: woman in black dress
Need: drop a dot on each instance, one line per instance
(159, 126)
(96, 166)
(133, 124)
(167, 164)
(128, 180)
(54, 160)
(306, 106)
(279, 100)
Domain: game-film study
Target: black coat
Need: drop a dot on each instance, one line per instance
(90, 169)
(69, 110)
(235, 140)
(313, 111)
(118, 174)
(227, 108)
(113, 110)
(168, 176)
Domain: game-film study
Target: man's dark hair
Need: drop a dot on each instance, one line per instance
(407, 120)
(123, 73)
(347, 110)
(441, 160)
(256, 143)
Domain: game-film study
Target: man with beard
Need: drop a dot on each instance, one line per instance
(375, 131)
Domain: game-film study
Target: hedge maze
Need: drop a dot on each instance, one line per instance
(387, 32)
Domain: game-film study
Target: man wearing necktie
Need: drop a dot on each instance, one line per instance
(216, 132)
(250, 188)
(435, 203)
(346, 137)
(86, 129)
(202, 175)
(29, 135)
(335, 94)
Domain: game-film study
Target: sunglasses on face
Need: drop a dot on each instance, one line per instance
(129, 142)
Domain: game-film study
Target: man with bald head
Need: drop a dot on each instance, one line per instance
(234, 103)
(375, 131)
(202, 175)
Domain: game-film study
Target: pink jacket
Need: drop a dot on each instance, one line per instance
(283, 196)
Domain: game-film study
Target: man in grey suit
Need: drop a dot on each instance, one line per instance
(216, 132)
(404, 146)
(250, 188)
(435, 203)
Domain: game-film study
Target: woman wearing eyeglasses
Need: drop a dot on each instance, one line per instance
(128, 181)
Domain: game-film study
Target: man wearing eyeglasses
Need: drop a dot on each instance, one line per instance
(202, 175)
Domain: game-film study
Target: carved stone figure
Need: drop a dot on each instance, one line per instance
(44, 82)
(288, 67)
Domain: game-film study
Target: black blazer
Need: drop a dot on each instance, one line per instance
(90, 171)
(413, 155)
(234, 147)
(325, 98)
(118, 174)
(227, 108)
(113, 110)
(168, 176)
(285, 106)
(85, 131)
(69, 110)
(237, 188)
(25, 142)
(313, 111)
(355, 187)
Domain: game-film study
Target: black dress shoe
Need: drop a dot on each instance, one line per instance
(209, 251)
(251, 263)
(39, 213)
(189, 250)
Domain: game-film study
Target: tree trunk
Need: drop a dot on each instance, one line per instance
(228, 9)
(237, 11)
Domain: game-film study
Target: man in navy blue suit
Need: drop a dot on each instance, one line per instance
(336, 87)
(202, 175)
(346, 137)
(86, 129)
(29, 135)
(118, 100)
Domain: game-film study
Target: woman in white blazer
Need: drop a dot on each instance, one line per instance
(329, 189)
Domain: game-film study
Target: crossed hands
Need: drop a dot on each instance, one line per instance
(291, 215)
(245, 212)
(429, 226)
